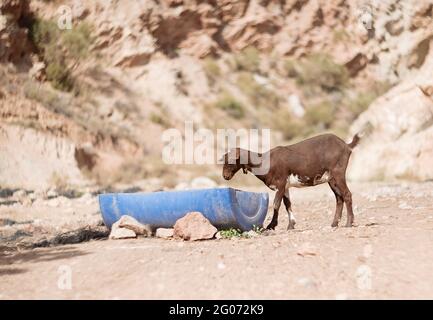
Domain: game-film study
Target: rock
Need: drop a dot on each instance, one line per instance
(341, 296)
(27, 202)
(404, 206)
(131, 223)
(326, 228)
(53, 203)
(255, 28)
(203, 182)
(221, 265)
(356, 64)
(296, 106)
(80, 235)
(252, 234)
(6, 222)
(164, 233)
(218, 235)
(87, 198)
(194, 226)
(200, 46)
(133, 58)
(37, 71)
(14, 42)
(121, 233)
(182, 186)
(306, 282)
(306, 250)
(51, 193)
(19, 195)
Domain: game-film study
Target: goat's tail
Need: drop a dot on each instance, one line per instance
(368, 128)
(355, 141)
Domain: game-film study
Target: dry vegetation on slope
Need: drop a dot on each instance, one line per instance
(100, 95)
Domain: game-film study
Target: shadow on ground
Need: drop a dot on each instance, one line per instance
(36, 256)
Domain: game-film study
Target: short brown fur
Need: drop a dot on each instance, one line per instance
(309, 161)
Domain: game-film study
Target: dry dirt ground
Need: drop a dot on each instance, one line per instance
(389, 254)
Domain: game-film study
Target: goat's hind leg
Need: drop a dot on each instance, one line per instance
(288, 205)
(347, 197)
(339, 203)
(339, 177)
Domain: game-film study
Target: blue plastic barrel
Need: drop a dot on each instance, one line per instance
(223, 207)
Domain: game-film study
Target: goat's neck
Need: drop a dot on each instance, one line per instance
(250, 166)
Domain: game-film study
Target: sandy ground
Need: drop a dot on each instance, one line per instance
(389, 254)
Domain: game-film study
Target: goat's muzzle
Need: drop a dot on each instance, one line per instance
(227, 176)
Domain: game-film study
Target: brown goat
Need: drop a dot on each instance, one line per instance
(308, 163)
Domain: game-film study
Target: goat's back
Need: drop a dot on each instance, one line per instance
(314, 154)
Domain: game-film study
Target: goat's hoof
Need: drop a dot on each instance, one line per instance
(334, 225)
(271, 227)
(291, 225)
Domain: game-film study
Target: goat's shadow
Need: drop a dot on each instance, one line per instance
(10, 262)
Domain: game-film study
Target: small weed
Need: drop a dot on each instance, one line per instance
(59, 181)
(60, 50)
(159, 119)
(340, 35)
(212, 69)
(321, 114)
(247, 60)
(48, 98)
(361, 102)
(258, 230)
(291, 68)
(77, 41)
(290, 127)
(363, 99)
(320, 71)
(258, 94)
(237, 233)
(231, 233)
(230, 105)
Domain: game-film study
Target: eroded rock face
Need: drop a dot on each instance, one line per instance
(401, 143)
(36, 160)
(194, 226)
(14, 44)
(150, 64)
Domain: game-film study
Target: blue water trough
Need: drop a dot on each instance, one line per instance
(223, 207)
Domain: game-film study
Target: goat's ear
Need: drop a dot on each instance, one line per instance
(233, 156)
(238, 153)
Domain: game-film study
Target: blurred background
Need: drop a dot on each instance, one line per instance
(86, 106)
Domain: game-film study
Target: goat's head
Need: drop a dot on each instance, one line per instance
(232, 163)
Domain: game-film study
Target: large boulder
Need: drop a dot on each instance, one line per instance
(194, 226)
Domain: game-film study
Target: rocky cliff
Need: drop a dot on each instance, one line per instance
(90, 103)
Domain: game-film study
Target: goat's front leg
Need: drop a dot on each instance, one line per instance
(288, 205)
(277, 203)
